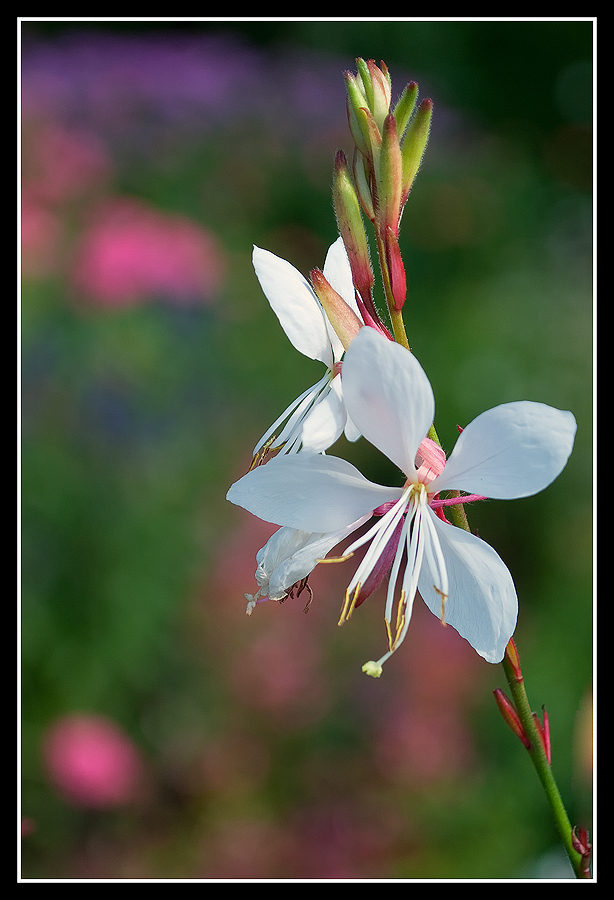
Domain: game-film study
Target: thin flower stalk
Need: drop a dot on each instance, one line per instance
(539, 751)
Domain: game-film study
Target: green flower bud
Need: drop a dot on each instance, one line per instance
(405, 107)
(414, 145)
(390, 178)
(351, 227)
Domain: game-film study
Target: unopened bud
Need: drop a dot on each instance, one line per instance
(506, 708)
(356, 100)
(582, 845)
(390, 177)
(368, 104)
(396, 269)
(544, 733)
(351, 228)
(405, 107)
(379, 91)
(341, 316)
(414, 144)
(362, 170)
(511, 654)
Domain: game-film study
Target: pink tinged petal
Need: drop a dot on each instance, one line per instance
(388, 396)
(326, 421)
(295, 305)
(430, 456)
(311, 492)
(430, 461)
(513, 450)
(482, 604)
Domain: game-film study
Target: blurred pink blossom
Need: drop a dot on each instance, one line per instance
(131, 252)
(59, 164)
(91, 762)
(40, 238)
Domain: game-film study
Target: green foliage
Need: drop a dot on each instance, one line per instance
(269, 755)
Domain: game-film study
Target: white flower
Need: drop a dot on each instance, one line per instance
(513, 450)
(288, 558)
(317, 418)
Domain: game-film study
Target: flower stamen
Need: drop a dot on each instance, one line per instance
(349, 604)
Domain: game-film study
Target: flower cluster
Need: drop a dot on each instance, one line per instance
(374, 387)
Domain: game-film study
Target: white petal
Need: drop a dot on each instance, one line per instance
(338, 273)
(351, 432)
(326, 421)
(295, 305)
(308, 491)
(513, 450)
(292, 417)
(290, 555)
(482, 604)
(388, 396)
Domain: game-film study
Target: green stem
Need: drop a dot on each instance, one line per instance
(536, 748)
(398, 328)
(537, 752)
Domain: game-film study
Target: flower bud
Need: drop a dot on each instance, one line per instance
(582, 845)
(351, 228)
(544, 734)
(363, 179)
(368, 104)
(506, 708)
(341, 316)
(414, 144)
(396, 269)
(405, 107)
(390, 178)
(511, 654)
(356, 100)
(379, 91)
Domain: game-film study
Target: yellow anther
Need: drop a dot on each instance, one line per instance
(349, 604)
(388, 634)
(336, 559)
(267, 449)
(400, 625)
(444, 597)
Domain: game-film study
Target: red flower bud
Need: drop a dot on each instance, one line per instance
(396, 269)
(507, 710)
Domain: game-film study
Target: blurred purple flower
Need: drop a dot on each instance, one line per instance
(193, 80)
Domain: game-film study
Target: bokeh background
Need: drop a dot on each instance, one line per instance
(164, 733)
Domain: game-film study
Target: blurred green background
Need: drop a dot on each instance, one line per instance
(153, 157)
